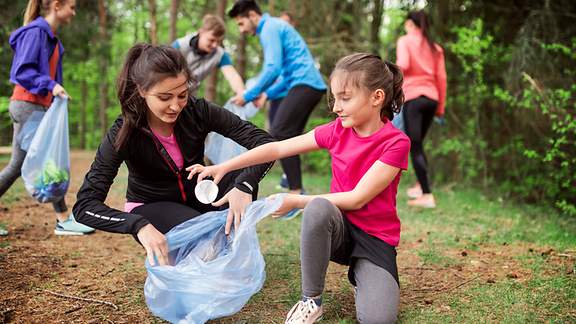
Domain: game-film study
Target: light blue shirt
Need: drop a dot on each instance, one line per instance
(286, 55)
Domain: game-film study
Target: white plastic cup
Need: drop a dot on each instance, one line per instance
(206, 191)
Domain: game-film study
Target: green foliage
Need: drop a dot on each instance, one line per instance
(522, 142)
(510, 104)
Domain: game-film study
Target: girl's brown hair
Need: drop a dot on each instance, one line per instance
(145, 66)
(369, 71)
(36, 7)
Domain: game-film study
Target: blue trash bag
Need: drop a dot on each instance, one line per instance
(24, 138)
(221, 149)
(46, 168)
(398, 120)
(212, 275)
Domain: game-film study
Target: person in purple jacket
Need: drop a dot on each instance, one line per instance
(36, 73)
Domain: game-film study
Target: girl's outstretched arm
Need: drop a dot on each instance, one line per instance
(374, 181)
(261, 154)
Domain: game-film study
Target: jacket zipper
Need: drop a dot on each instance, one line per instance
(172, 166)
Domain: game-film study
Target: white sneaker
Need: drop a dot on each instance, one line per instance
(425, 201)
(304, 312)
(414, 192)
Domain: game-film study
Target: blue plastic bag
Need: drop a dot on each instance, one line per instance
(46, 168)
(398, 120)
(221, 149)
(212, 275)
(29, 129)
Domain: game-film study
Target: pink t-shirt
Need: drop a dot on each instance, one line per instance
(352, 156)
(173, 150)
(424, 71)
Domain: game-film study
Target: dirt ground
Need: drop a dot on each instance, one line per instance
(37, 268)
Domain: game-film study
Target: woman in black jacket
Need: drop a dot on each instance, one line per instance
(161, 131)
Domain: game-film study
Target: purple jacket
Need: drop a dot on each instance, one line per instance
(33, 46)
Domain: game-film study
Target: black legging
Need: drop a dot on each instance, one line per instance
(274, 104)
(289, 121)
(418, 116)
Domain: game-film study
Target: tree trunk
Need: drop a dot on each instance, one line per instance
(271, 5)
(103, 63)
(173, 19)
(153, 25)
(375, 26)
(292, 8)
(241, 58)
(83, 103)
(210, 93)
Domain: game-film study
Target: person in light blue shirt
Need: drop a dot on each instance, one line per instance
(287, 56)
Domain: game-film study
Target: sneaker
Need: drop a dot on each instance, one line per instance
(425, 201)
(3, 231)
(283, 182)
(414, 192)
(294, 212)
(304, 312)
(291, 214)
(71, 227)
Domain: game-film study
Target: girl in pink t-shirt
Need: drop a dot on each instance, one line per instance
(356, 223)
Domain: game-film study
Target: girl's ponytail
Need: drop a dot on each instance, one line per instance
(397, 95)
(35, 9)
(32, 11)
(128, 96)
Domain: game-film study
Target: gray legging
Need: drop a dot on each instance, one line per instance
(324, 235)
(20, 111)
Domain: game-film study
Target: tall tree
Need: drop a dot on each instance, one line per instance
(213, 78)
(103, 64)
(83, 103)
(174, 4)
(377, 10)
(241, 56)
(153, 22)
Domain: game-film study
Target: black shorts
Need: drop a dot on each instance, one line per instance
(361, 245)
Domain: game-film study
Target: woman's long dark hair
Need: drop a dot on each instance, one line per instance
(420, 19)
(145, 66)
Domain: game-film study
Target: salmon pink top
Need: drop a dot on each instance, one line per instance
(424, 70)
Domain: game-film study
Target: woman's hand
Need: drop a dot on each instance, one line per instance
(60, 91)
(155, 244)
(214, 171)
(290, 202)
(238, 201)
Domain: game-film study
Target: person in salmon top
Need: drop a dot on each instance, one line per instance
(36, 73)
(356, 224)
(422, 62)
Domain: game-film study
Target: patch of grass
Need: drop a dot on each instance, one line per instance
(538, 300)
(465, 217)
(464, 220)
(431, 256)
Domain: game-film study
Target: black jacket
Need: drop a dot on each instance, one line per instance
(152, 175)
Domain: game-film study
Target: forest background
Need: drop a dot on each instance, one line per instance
(510, 127)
